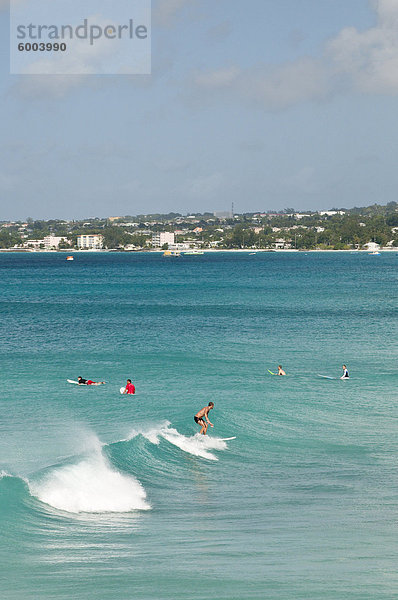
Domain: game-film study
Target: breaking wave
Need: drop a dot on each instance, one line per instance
(197, 445)
(91, 485)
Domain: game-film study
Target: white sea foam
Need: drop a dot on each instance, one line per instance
(91, 486)
(4, 474)
(197, 445)
(150, 432)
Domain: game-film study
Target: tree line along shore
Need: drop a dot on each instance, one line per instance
(370, 227)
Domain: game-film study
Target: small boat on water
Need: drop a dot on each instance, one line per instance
(69, 258)
(375, 253)
(193, 252)
(171, 253)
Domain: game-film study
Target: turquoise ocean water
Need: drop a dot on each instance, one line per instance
(109, 497)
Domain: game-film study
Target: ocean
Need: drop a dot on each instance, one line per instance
(111, 497)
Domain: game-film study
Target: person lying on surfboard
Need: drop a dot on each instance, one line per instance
(130, 387)
(203, 414)
(82, 381)
(346, 374)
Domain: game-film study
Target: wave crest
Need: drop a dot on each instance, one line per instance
(197, 445)
(90, 486)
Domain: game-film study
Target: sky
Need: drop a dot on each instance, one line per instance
(267, 104)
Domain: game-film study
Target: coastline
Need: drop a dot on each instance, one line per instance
(205, 250)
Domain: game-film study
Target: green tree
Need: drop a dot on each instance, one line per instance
(9, 239)
(115, 237)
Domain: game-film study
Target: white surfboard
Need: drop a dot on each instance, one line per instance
(227, 439)
(122, 390)
(328, 377)
(72, 381)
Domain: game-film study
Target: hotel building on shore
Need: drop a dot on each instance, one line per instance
(90, 242)
(50, 242)
(161, 238)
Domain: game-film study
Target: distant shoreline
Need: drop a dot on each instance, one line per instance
(205, 250)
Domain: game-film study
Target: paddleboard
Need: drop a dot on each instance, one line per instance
(227, 439)
(72, 381)
(271, 372)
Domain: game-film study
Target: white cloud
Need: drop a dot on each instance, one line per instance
(55, 75)
(286, 85)
(369, 59)
(360, 61)
(43, 79)
(268, 86)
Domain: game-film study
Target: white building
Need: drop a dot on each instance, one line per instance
(33, 244)
(161, 238)
(372, 246)
(89, 242)
(331, 213)
(52, 241)
(281, 244)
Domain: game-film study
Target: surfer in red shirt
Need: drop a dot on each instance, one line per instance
(130, 388)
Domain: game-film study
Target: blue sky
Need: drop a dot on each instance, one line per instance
(265, 103)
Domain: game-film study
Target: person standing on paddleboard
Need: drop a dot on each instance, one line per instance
(345, 375)
(130, 387)
(203, 414)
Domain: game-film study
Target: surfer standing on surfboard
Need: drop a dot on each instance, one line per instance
(203, 414)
